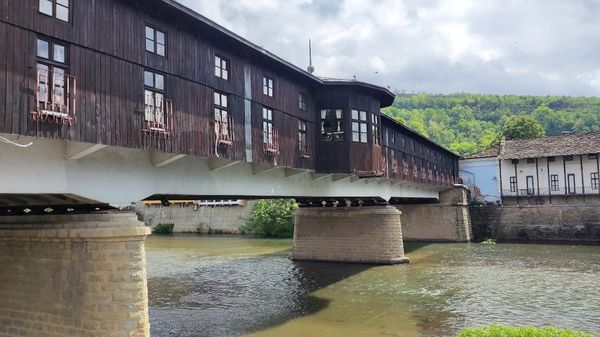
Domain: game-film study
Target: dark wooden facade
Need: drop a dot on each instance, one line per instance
(106, 57)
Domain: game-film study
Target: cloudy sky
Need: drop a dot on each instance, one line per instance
(540, 47)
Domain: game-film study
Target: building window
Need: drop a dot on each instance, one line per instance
(359, 126)
(375, 125)
(571, 185)
(513, 184)
(530, 188)
(551, 159)
(594, 176)
(222, 127)
(268, 86)
(221, 67)
(568, 158)
(515, 161)
(530, 160)
(593, 156)
(302, 144)
(56, 8)
(554, 186)
(267, 115)
(52, 80)
(302, 102)
(154, 90)
(332, 124)
(156, 41)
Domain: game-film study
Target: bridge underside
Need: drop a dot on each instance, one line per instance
(66, 174)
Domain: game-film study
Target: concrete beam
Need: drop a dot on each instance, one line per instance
(258, 169)
(317, 176)
(339, 176)
(76, 150)
(219, 164)
(160, 159)
(290, 172)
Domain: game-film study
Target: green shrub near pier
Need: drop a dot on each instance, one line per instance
(509, 331)
(163, 228)
(272, 218)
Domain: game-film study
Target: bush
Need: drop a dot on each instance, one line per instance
(163, 228)
(508, 331)
(272, 218)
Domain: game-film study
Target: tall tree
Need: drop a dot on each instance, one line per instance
(522, 127)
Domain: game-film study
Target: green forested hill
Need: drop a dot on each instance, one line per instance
(467, 123)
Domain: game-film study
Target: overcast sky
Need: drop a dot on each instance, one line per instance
(540, 47)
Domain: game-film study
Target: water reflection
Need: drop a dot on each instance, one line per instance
(231, 286)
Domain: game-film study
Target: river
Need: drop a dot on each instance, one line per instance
(221, 286)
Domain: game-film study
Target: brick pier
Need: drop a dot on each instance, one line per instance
(73, 275)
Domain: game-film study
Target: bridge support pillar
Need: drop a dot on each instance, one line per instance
(449, 220)
(73, 275)
(370, 234)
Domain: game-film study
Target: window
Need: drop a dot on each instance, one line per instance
(221, 67)
(571, 188)
(551, 159)
(302, 102)
(222, 127)
(530, 188)
(515, 161)
(56, 8)
(302, 144)
(593, 156)
(568, 158)
(375, 125)
(53, 82)
(332, 124)
(267, 125)
(530, 160)
(594, 177)
(154, 97)
(554, 186)
(268, 86)
(513, 184)
(156, 41)
(359, 126)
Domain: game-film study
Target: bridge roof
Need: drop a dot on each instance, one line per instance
(385, 96)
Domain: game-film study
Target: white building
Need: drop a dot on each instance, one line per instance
(556, 167)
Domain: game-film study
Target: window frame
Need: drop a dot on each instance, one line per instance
(302, 102)
(155, 93)
(302, 134)
(219, 70)
(375, 132)
(268, 86)
(513, 183)
(594, 179)
(154, 40)
(339, 132)
(51, 65)
(222, 112)
(267, 125)
(360, 124)
(55, 4)
(554, 183)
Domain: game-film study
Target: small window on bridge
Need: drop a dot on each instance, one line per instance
(375, 125)
(359, 126)
(332, 124)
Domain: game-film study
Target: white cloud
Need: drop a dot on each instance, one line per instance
(494, 46)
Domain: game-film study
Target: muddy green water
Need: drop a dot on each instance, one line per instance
(233, 286)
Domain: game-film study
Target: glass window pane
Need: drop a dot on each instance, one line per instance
(338, 114)
(64, 3)
(265, 90)
(62, 13)
(323, 114)
(160, 49)
(225, 75)
(355, 137)
(150, 45)
(354, 126)
(148, 79)
(224, 64)
(217, 98)
(224, 100)
(59, 53)
(159, 82)
(217, 71)
(160, 37)
(264, 113)
(354, 114)
(149, 33)
(42, 49)
(363, 127)
(271, 92)
(270, 114)
(363, 115)
(217, 61)
(46, 7)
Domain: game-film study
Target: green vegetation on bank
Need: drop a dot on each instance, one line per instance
(467, 123)
(163, 228)
(271, 218)
(508, 331)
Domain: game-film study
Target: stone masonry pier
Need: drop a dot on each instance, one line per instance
(73, 275)
(370, 234)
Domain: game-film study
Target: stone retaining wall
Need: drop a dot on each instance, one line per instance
(537, 223)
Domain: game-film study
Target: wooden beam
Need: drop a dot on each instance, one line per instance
(76, 150)
(160, 159)
(219, 164)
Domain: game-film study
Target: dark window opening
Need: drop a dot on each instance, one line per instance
(302, 102)
(515, 161)
(593, 156)
(332, 124)
(530, 160)
(568, 158)
(551, 159)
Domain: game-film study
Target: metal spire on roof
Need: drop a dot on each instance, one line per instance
(310, 68)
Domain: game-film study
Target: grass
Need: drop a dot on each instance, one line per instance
(163, 228)
(509, 331)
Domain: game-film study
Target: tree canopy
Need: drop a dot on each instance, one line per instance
(522, 127)
(467, 123)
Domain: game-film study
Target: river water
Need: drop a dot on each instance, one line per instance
(221, 286)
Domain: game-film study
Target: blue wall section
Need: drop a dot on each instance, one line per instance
(482, 178)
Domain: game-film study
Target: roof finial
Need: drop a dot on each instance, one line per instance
(310, 68)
